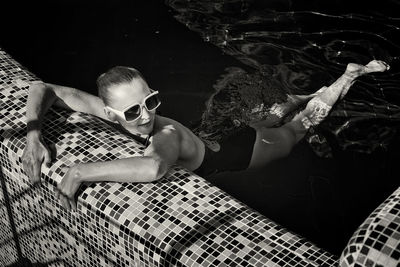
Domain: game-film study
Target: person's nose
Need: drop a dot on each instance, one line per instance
(145, 113)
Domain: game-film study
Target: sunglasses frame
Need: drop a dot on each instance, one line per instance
(141, 105)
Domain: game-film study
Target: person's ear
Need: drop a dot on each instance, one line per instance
(110, 115)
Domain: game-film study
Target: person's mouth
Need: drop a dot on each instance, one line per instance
(147, 123)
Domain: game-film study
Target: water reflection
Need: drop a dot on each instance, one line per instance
(297, 49)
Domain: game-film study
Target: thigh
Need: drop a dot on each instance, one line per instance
(277, 112)
(271, 144)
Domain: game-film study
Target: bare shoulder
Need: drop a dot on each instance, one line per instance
(190, 146)
(168, 125)
(165, 142)
(187, 139)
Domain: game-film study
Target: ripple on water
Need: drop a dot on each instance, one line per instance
(301, 51)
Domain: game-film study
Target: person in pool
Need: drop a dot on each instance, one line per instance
(126, 98)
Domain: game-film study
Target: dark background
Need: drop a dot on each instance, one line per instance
(72, 42)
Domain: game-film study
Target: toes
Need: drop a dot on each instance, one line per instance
(386, 65)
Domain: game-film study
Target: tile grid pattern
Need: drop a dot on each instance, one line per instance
(377, 241)
(8, 251)
(181, 220)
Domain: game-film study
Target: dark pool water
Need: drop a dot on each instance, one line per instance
(306, 45)
(185, 48)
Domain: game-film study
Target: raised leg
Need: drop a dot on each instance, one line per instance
(274, 143)
(319, 106)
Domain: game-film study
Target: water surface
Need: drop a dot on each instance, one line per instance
(306, 46)
(327, 187)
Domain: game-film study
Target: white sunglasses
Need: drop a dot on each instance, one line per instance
(134, 111)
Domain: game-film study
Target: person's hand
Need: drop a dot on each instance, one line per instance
(35, 154)
(68, 186)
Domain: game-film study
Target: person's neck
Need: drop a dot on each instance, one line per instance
(140, 135)
(141, 138)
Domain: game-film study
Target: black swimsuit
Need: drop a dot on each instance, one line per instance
(235, 153)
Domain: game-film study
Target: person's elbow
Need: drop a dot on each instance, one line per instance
(42, 88)
(37, 86)
(157, 170)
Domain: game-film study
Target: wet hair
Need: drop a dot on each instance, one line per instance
(115, 75)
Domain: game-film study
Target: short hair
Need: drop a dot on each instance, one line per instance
(115, 75)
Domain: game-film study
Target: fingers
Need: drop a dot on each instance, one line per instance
(65, 194)
(72, 203)
(65, 202)
(47, 158)
(32, 171)
(53, 151)
(35, 154)
(27, 168)
(32, 166)
(36, 172)
(58, 193)
(59, 190)
(68, 203)
(27, 164)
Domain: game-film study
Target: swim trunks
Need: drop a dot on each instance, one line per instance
(235, 153)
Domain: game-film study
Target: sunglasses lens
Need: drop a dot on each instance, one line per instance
(132, 113)
(152, 102)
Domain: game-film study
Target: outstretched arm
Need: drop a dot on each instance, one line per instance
(161, 154)
(41, 97)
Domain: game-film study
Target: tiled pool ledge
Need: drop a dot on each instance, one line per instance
(181, 220)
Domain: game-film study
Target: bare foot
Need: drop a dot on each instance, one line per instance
(354, 70)
(377, 66)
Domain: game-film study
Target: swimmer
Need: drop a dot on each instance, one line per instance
(126, 99)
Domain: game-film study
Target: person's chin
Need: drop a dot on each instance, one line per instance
(145, 128)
